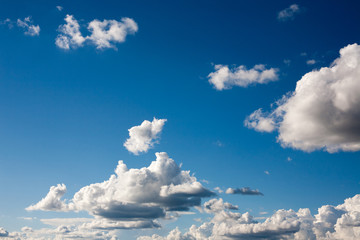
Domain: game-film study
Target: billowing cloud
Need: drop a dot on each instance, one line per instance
(324, 110)
(3, 232)
(331, 223)
(243, 191)
(225, 77)
(104, 34)
(288, 13)
(130, 195)
(143, 137)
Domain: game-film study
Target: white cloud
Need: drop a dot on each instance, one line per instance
(104, 34)
(288, 13)
(60, 8)
(331, 223)
(143, 137)
(226, 78)
(132, 194)
(243, 191)
(29, 28)
(310, 62)
(70, 35)
(324, 110)
(267, 172)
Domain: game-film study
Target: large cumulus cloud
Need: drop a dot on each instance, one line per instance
(324, 110)
(142, 194)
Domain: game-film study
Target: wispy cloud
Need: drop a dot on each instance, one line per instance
(288, 13)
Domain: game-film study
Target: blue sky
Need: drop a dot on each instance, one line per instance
(66, 112)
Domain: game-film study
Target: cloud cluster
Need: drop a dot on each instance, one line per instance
(331, 222)
(143, 137)
(288, 13)
(324, 110)
(225, 77)
(243, 191)
(104, 34)
(26, 24)
(132, 197)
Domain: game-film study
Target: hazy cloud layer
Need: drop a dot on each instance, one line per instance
(143, 137)
(225, 77)
(104, 34)
(243, 191)
(331, 222)
(132, 194)
(288, 13)
(324, 110)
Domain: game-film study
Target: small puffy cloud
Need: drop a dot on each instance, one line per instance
(218, 189)
(324, 110)
(267, 172)
(217, 205)
(310, 62)
(331, 223)
(130, 195)
(70, 35)
(288, 13)
(52, 200)
(225, 77)
(144, 136)
(289, 159)
(59, 8)
(29, 28)
(104, 34)
(243, 191)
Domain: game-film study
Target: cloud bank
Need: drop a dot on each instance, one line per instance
(143, 137)
(104, 34)
(331, 222)
(225, 77)
(324, 110)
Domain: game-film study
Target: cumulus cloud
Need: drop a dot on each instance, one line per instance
(324, 110)
(144, 136)
(243, 191)
(104, 34)
(225, 77)
(70, 35)
(288, 13)
(331, 223)
(131, 195)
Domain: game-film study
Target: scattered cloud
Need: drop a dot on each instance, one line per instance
(288, 13)
(324, 110)
(267, 172)
(29, 28)
(289, 159)
(26, 24)
(132, 198)
(218, 189)
(104, 34)
(60, 8)
(144, 136)
(331, 223)
(310, 62)
(225, 77)
(243, 191)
